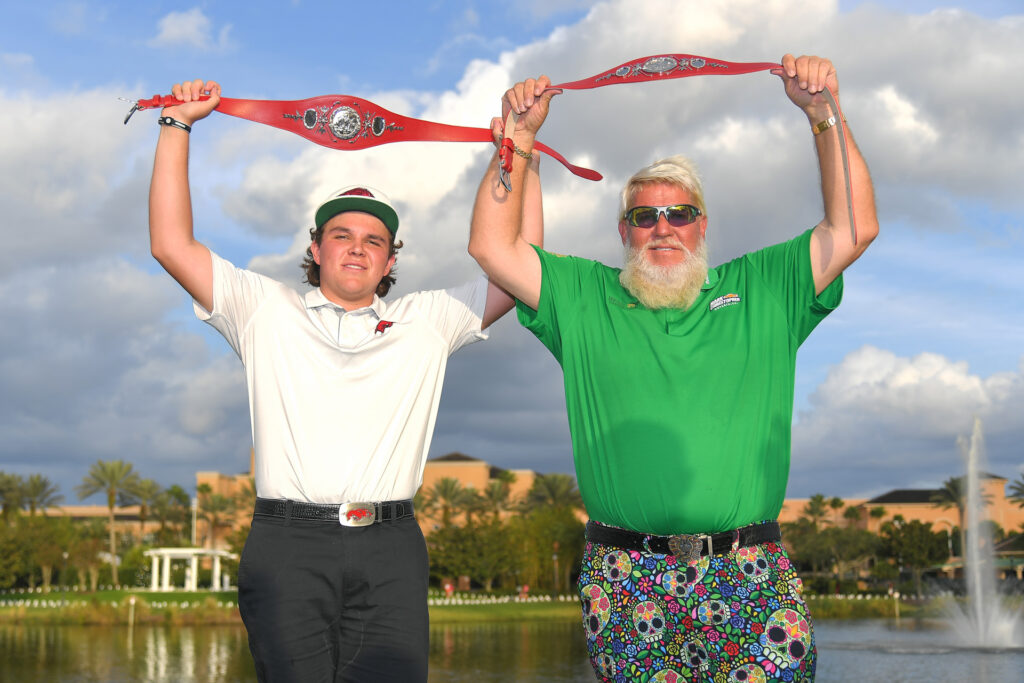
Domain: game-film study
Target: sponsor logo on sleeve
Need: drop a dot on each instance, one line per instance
(723, 301)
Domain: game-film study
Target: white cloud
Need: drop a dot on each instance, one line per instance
(191, 28)
(882, 420)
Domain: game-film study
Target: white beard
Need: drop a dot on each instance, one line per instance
(665, 286)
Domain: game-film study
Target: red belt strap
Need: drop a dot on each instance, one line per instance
(661, 67)
(346, 122)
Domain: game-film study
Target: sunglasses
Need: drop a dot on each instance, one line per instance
(677, 215)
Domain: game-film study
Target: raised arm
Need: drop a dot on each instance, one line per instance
(503, 220)
(500, 302)
(170, 204)
(832, 247)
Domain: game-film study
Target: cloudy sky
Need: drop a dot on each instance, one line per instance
(101, 358)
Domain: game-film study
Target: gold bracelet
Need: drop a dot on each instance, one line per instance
(520, 152)
(824, 125)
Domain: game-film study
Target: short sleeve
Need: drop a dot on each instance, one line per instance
(786, 271)
(561, 281)
(237, 295)
(456, 313)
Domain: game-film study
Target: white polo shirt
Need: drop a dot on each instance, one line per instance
(342, 404)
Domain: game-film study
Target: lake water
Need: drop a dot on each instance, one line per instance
(530, 653)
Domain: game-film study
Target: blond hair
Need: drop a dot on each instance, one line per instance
(674, 170)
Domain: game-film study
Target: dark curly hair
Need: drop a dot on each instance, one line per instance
(312, 268)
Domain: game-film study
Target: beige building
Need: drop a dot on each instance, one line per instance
(918, 504)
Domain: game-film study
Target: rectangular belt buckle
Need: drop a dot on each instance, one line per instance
(357, 514)
(687, 547)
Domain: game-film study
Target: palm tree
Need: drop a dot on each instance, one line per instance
(170, 507)
(954, 494)
(445, 496)
(496, 498)
(11, 489)
(145, 493)
(40, 493)
(814, 511)
(245, 497)
(852, 515)
(472, 502)
(217, 510)
(1017, 491)
(115, 478)
(554, 490)
(836, 503)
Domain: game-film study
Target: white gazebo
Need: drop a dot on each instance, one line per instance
(162, 566)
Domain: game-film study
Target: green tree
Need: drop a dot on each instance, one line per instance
(496, 498)
(51, 538)
(12, 555)
(245, 497)
(551, 540)
(145, 492)
(217, 511)
(12, 488)
(1017, 491)
(472, 504)
(444, 500)
(815, 510)
(113, 478)
(40, 493)
(852, 515)
(954, 494)
(84, 553)
(171, 509)
(806, 545)
(913, 545)
(554, 490)
(836, 504)
(849, 548)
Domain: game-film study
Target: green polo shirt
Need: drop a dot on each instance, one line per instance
(680, 420)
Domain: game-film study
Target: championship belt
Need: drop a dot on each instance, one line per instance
(346, 122)
(662, 67)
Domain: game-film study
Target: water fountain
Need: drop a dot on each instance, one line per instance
(983, 621)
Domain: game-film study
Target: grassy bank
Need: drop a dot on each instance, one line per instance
(115, 607)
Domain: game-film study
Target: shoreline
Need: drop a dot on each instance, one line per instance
(180, 608)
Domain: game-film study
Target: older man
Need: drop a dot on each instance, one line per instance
(343, 390)
(679, 389)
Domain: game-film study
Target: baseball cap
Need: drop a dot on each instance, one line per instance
(358, 198)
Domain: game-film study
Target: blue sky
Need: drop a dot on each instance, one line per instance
(102, 358)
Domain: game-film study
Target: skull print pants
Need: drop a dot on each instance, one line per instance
(734, 616)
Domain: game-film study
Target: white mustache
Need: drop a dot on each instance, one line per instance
(676, 244)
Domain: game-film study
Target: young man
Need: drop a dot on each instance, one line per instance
(679, 390)
(343, 392)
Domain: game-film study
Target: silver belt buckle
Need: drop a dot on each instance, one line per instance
(687, 547)
(357, 514)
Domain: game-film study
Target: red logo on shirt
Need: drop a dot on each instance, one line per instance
(357, 514)
(383, 326)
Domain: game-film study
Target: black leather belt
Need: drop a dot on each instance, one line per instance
(687, 547)
(346, 514)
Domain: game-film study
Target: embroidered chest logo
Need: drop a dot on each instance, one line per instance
(383, 326)
(723, 301)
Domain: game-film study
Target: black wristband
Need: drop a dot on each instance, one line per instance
(168, 121)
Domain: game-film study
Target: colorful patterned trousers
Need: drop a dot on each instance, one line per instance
(736, 616)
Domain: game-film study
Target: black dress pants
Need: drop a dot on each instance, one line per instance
(325, 603)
